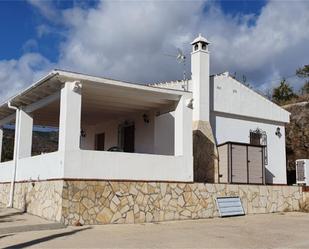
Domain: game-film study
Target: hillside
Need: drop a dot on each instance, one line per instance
(297, 136)
(42, 142)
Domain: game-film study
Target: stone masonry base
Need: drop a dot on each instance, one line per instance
(106, 202)
(43, 199)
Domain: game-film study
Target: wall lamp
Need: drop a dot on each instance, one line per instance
(82, 133)
(146, 118)
(278, 132)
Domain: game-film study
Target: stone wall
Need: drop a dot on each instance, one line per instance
(105, 202)
(205, 154)
(42, 198)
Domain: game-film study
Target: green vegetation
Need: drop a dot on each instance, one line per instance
(284, 93)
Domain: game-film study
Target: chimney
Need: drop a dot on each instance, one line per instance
(200, 79)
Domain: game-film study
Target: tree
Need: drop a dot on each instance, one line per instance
(304, 74)
(283, 93)
(305, 89)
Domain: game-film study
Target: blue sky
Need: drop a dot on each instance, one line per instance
(126, 40)
(19, 23)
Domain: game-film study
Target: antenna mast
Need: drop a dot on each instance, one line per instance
(181, 58)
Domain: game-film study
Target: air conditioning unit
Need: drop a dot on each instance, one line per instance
(302, 172)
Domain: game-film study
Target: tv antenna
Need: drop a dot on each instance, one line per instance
(181, 59)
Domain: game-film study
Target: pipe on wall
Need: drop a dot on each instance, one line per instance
(15, 156)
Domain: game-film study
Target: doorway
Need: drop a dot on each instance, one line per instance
(100, 141)
(126, 137)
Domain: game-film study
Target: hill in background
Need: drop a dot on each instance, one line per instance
(42, 142)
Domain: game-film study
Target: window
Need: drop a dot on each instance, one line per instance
(204, 46)
(259, 137)
(255, 138)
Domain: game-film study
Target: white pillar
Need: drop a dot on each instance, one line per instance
(183, 128)
(1, 141)
(24, 135)
(70, 116)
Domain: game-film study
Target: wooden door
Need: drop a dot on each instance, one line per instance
(128, 138)
(255, 165)
(100, 141)
(238, 165)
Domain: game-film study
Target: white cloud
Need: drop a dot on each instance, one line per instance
(128, 40)
(47, 9)
(16, 74)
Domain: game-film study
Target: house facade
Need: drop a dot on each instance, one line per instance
(114, 131)
(232, 112)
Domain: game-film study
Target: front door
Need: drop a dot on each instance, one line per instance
(128, 138)
(100, 141)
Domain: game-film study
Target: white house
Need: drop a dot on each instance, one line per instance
(114, 130)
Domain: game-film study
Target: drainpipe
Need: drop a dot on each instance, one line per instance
(15, 157)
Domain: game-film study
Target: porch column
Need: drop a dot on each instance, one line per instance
(1, 141)
(70, 116)
(183, 128)
(24, 135)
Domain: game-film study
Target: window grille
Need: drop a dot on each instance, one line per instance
(259, 137)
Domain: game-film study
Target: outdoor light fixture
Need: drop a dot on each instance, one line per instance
(146, 118)
(82, 133)
(278, 132)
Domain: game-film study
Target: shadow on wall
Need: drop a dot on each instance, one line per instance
(269, 176)
(204, 155)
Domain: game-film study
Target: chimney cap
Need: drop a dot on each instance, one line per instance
(200, 38)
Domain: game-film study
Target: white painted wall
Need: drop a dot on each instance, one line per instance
(146, 134)
(164, 134)
(42, 167)
(126, 166)
(70, 116)
(230, 128)
(6, 171)
(25, 135)
(230, 96)
(200, 84)
(86, 164)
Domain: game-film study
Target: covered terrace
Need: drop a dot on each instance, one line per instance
(107, 130)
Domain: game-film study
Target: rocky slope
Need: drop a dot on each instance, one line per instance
(297, 136)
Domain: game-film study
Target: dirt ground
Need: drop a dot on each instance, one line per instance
(287, 230)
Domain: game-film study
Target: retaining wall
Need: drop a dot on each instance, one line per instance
(105, 202)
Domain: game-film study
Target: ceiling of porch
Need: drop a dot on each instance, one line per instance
(101, 102)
